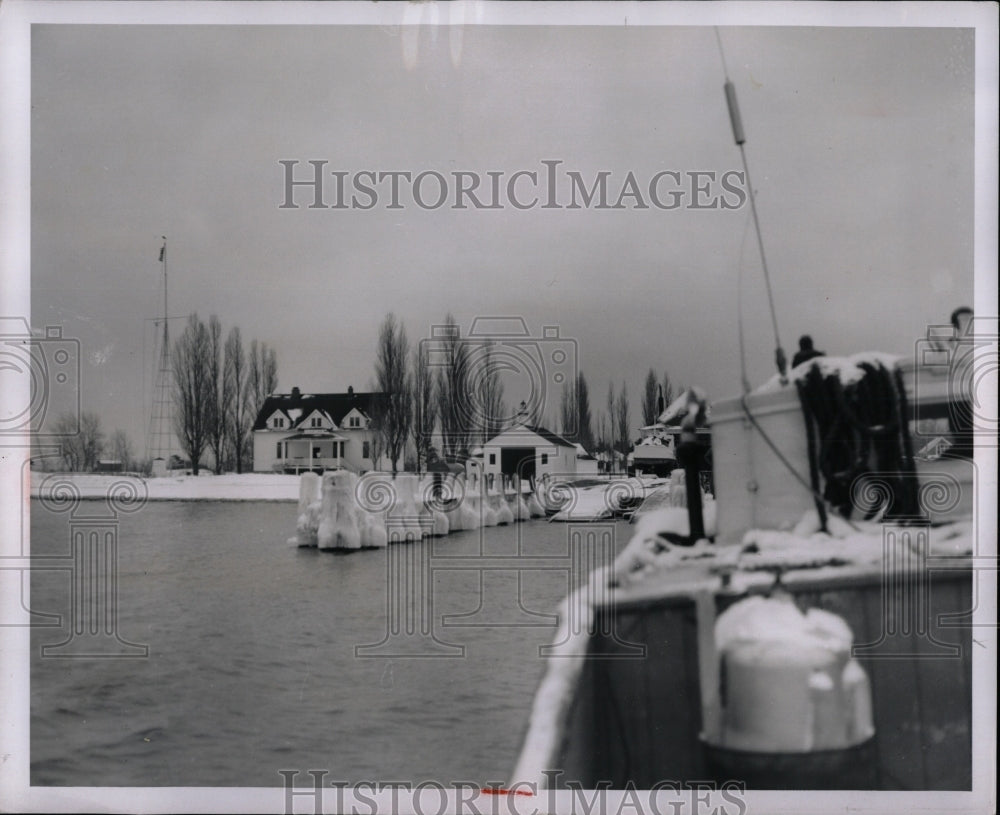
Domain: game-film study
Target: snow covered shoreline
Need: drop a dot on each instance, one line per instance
(245, 487)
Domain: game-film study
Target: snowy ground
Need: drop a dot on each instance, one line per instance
(595, 502)
(245, 487)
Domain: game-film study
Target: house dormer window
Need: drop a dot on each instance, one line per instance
(315, 422)
(354, 421)
(279, 421)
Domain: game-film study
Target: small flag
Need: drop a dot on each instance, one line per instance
(163, 252)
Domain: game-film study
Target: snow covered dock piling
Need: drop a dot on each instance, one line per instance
(344, 511)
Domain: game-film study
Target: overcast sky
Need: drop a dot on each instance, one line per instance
(860, 143)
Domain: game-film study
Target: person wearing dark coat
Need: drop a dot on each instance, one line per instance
(806, 351)
(960, 416)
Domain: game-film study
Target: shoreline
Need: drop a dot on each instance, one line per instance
(230, 488)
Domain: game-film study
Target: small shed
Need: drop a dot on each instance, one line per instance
(530, 451)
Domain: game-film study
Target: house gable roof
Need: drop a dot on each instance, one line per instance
(549, 436)
(359, 411)
(275, 411)
(523, 431)
(335, 405)
(322, 414)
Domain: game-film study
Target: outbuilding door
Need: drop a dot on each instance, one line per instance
(518, 461)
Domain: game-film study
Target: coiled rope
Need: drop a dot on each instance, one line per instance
(859, 430)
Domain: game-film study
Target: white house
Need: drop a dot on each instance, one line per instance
(295, 432)
(529, 451)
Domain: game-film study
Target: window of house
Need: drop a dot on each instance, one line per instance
(493, 458)
(279, 450)
(316, 422)
(366, 450)
(545, 458)
(279, 422)
(355, 421)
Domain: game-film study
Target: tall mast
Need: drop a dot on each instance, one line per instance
(740, 138)
(159, 443)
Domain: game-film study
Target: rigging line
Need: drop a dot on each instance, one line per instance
(739, 309)
(784, 460)
(763, 258)
(722, 55)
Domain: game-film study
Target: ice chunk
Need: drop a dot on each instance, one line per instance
(338, 526)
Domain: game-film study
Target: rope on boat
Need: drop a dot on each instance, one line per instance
(813, 456)
(857, 430)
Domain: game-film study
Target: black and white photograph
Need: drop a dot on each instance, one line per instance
(498, 408)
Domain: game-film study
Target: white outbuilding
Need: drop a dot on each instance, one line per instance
(530, 451)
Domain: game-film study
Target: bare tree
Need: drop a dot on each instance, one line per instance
(91, 440)
(376, 421)
(584, 422)
(649, 396)
(623, 422)
(393, 380)
(453, 392)
(217, 418)
(262, 375)
(81, 442)
(612, 425)
(193, 396)
(120, 448)
(668, 390)
(567, 413)
(490, 392)
(235, 399)
(262, 381)
(424, 409)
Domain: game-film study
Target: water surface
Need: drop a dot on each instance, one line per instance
(252, 666)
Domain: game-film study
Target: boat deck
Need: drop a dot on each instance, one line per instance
(638, 718)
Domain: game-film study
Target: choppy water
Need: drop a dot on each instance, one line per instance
(251, 665)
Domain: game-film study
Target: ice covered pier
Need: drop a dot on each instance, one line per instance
(344, 511)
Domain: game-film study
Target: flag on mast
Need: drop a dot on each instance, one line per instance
(163, 250)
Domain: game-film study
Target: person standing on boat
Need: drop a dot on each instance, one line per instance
(806, 351)
(960, 409)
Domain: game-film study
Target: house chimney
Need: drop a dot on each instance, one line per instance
(350, 390)
(296, 392)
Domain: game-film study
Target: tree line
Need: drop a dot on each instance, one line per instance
(610, 432)
(449, 383)
(219, 388)
(82, 444)
(460, 393)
